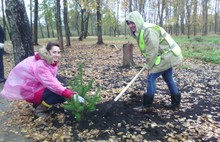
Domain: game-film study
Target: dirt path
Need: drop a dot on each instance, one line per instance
(7, 132)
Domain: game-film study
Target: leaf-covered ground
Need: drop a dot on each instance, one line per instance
(198, 118)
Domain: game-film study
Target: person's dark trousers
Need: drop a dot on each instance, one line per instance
(48, 100)
(2, 78)
(52, 98)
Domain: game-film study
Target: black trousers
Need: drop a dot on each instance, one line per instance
(52, 98)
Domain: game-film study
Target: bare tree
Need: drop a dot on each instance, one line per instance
(35, 22)
(205, 17)
(195, 17)
(217, 16)
(21, 36)
(2, 76)
(162, 11)
(99, 23)
(3, 18)
(86, 24)
(130, 6)
(31, 15)
(65, 19)
(188, 10)
(59, 27)
(182, 16)
(176, 14)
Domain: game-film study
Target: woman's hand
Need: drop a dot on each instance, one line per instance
(79, 98)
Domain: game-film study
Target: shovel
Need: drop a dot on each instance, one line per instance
(121, 93)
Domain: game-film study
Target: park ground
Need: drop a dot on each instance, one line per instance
(198, 118)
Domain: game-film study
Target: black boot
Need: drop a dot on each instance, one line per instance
(175, 101)
(147, 102)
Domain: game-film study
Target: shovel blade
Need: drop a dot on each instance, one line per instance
(108, 109)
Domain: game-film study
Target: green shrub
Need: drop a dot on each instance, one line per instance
(77, 84)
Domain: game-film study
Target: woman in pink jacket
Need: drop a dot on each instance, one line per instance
(34, 80)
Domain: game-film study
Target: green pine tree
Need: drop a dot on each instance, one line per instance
(77, 84)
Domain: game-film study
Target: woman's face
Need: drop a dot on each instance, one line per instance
(55, 52)
(132, 26)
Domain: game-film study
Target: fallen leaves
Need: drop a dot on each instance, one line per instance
(196, 120)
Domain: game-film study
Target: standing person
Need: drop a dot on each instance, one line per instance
(2, 78)
(161, 53)
(34, 80)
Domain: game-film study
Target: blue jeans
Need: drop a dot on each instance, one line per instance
(51, 98)
(168, 78)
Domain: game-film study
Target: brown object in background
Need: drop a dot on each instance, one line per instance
(128, 54)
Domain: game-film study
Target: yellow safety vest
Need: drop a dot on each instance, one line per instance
(174, 47)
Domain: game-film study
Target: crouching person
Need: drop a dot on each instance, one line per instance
(34, 80)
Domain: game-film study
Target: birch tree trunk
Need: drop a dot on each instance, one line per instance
(21, 36)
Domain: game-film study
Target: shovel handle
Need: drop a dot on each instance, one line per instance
(129, 84)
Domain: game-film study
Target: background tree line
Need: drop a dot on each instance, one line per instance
(78, 17)
(82, 18)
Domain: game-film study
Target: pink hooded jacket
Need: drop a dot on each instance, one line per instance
(28, 80)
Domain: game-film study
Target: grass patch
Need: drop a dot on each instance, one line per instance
(208, 54)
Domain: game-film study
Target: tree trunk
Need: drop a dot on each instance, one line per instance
(162, 10)
(3, 18)
(65, 19)
(86, 25)
(217, 17)
(31, 16)
(176, 14)
(52, 30)
(130, 6)
(205, 17)
(188, 10)
(35, 22)
(182, 16)
(2, 33)
(41, 30)
(195, 17)
(128, 54)
(59, 27)
(99, 23)
(21, 35)
(125, 24)
(77, 24)
(117, 20)
(48, 29)
(82, 25)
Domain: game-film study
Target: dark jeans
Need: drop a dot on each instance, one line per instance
(51, 98)
(168, 78)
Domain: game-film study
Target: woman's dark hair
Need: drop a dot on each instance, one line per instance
(50, 45)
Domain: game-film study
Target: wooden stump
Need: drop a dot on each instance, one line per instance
(128, 54)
